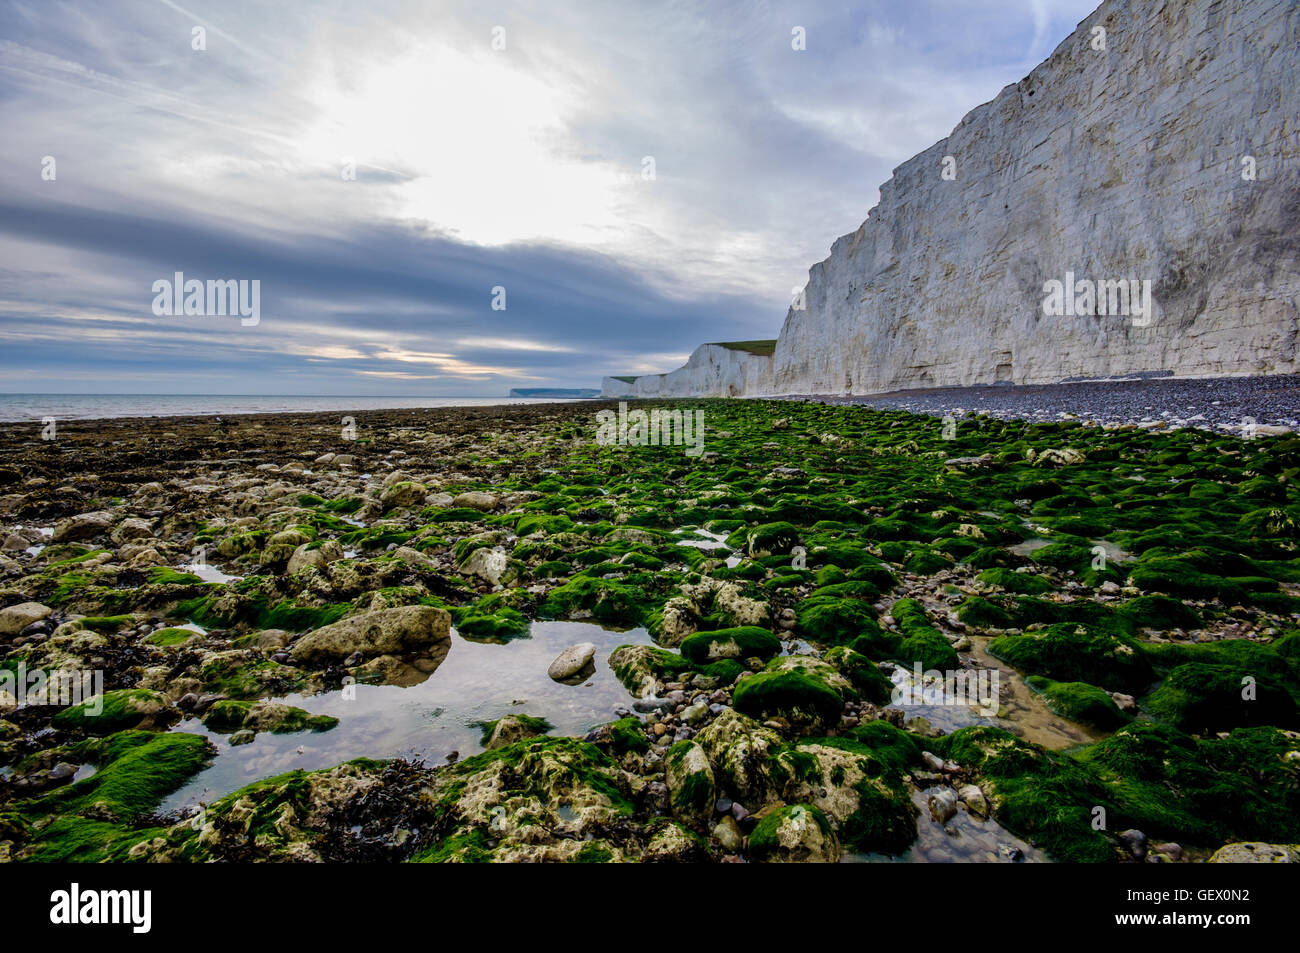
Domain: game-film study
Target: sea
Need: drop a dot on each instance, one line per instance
(37, 407)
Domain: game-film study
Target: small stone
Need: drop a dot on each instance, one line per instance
(942, 805)
(975, 801)
(1135, 842)
(1166, 853)
(727, 833)
(572, 661)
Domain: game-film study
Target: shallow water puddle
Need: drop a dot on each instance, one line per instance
(477, 682)
(209, 573)
(1023, 712)
(710, 542)
(946, 717)
(1113, 553)
(964, 839)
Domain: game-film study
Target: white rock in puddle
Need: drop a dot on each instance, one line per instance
(943, 805)
(572, 661)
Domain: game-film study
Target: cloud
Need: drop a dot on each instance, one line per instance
(475, 168)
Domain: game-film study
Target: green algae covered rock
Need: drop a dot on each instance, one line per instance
(805, 691)
(794, 834)
(231, 715)
(1160, 612)
(739, 749)
(116, 711)
(740, 642)
(1079, 701)
(601, 599)
(1073, 653)
(858, 782)
(691, 788)
(1205, 791)
(836, 621)
(1197, 698)
(983, 614)
(866, 677)
(511, 728)
(627, 735)
(771, 539)
(1042, 796)
(505, 804)
(1011, 581)
(169, 637)
(93, 820)
(641, 667)
(922, 643)
(1241, 655)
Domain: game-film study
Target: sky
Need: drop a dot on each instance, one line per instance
(452, 198)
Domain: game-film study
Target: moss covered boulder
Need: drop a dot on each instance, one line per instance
(105, 817)
(807, 692)
(1079, 701)
(866, 677)
(118, 710)
(231, 715)
(511, 728)
(1197, 697)
(543, 799)
(1067, 652)
(739, 642)
(858, 782)
(771, 539)
(691, 787)
(739, 750)
(922, 642)
(794, 834)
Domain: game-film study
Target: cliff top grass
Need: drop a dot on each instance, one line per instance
(764, 348)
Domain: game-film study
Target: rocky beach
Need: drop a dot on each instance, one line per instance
(478, 634)
(1241, 405)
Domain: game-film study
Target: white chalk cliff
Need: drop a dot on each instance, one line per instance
(1170, 156)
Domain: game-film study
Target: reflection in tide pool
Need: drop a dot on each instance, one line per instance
(477, 682)
(964, 839)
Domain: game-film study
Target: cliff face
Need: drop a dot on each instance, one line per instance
(713, 370)
(1128, 163)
